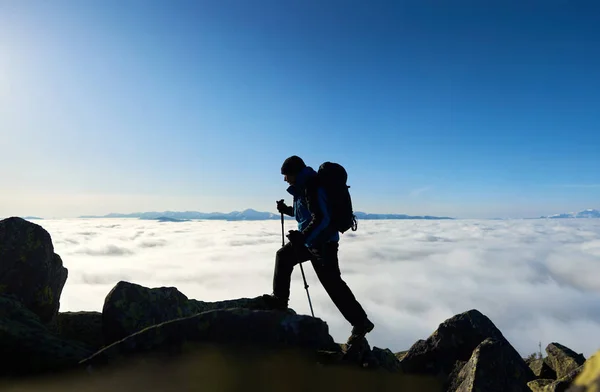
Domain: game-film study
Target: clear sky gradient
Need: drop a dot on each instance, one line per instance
(467, 108)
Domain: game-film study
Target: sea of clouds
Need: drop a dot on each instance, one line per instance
(537, 280)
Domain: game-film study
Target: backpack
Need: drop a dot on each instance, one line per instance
(332, 177)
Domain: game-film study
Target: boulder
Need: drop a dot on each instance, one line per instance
(386, 359)
(29, 347)
(359, 353)
(129, 308)
(453, 341)
(542, 368)
(494, 366)
(29, 268)
(589, 378)
(563, 360)
(233, 326)
(83, 327)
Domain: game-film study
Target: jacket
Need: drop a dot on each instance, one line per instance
(311, 210)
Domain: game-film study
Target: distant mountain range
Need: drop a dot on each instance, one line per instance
(366, 216)
(166, 219)
(246, 215)
(589, 213)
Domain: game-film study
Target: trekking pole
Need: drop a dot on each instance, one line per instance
(301, 269)
(282, 230)
(307, 294)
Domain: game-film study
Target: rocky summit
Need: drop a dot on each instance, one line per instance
(158, 339)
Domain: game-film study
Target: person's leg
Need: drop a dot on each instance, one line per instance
(326, 265)
(285, 260)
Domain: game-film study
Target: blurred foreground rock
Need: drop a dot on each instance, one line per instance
(588, 379)
(157, 339)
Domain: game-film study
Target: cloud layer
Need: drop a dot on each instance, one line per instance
(536, 279)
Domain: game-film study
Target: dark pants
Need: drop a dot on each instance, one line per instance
(325, 263)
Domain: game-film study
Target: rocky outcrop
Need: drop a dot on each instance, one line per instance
(452, 343)
(542, 368)
(468, 353)
(563, 360)
(29, 268)
(28, 347)
(129, 308)
(238, 326)
(494, 366)
(386, 359)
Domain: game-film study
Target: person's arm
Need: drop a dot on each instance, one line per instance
(284, 208)
(289, 210)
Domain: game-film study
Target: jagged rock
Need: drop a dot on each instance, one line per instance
(542, 368)
(386, 359)
(539, 385)
(84, 327)
(238, 326)
(27, 345)
(29, 268)
(452, 382)
(589, 378)
(494, 366)
(562, 359)
(360, 353)
(563, 383)
(454, 340)
(130, 307)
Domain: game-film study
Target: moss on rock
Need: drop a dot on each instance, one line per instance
(563, 360)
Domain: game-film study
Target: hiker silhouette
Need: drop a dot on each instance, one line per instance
(317, 240)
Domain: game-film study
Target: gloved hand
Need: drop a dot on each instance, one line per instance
(282, 207)
(296, 237)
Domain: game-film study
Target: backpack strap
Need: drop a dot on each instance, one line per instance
(312, 194)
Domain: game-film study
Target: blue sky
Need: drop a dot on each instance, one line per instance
(470, 109)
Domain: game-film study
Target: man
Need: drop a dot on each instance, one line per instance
(317, 241)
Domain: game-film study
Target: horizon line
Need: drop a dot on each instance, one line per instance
(274, 215)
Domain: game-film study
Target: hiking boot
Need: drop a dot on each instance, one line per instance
(360, 330)
(275, 302)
